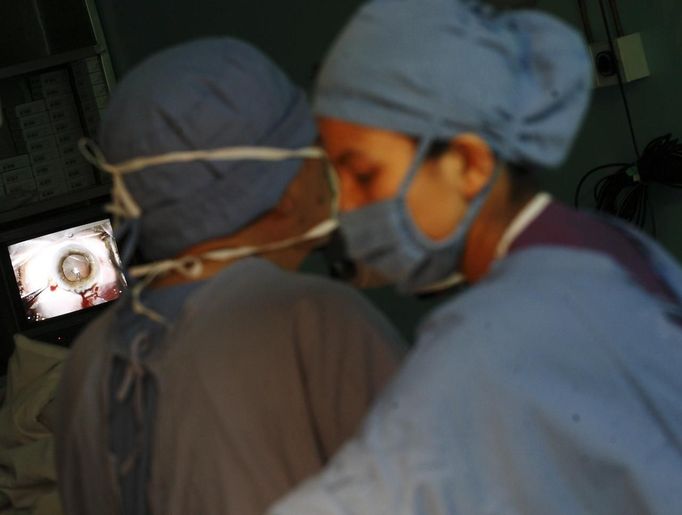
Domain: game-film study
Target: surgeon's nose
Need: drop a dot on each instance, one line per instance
(352, 197)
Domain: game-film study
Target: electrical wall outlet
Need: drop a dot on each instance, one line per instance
(630, 57)
(634, 64)
(605, 65)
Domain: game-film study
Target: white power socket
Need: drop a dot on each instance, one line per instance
(631, 58)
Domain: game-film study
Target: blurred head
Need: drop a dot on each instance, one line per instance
(373, 163)
(307, 201)
(429, 101)
(205, 95)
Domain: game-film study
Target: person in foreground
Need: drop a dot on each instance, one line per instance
(222, 379)
(552, 385)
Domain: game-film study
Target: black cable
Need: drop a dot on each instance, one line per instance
(642, 207)
(629, 207)
(585, 17)
(599, 190)
(621, 84)
(591, 172)
(661, 162)
(653, 220)
(624, 190)
(616, 18)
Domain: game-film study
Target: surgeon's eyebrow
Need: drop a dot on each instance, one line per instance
(347, 157)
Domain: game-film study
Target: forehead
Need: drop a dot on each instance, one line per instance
(346, 141)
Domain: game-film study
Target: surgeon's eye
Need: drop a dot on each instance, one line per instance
(365, 178)
(356, 187)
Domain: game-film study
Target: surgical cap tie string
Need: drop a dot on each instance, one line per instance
(124, 205)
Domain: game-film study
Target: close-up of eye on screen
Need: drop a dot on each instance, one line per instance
(67, 271)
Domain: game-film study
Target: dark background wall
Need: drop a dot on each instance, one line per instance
(655, 102)
(295, 33)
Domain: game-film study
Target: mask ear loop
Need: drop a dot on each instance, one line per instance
(315, 233)
(463, 226)
(419, 159)
(192, 266)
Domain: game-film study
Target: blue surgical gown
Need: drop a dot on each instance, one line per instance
(262, 376)
(552, 387)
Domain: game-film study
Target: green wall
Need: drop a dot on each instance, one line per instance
(295, 33)
(655, 102)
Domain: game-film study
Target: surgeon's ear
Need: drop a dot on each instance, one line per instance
(478, 163)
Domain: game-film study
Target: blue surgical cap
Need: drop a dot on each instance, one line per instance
(203, 95)
(439, 68)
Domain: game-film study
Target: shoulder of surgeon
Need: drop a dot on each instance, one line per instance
(257, 288)
(548, 306)
(539, 300)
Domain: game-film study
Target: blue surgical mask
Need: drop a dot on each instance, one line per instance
(385, 237)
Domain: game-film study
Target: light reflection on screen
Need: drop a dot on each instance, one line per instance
(67, 271)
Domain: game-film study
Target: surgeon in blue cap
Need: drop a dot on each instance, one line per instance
(553, 384)
(222, 379)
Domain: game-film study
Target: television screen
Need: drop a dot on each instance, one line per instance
(67, 271)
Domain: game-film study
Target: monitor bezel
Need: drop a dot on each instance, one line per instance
(35, 230)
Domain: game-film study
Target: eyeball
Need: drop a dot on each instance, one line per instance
(77, 269)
